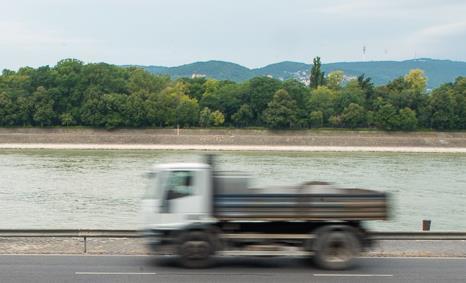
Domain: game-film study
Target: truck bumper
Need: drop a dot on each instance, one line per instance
(159, 241)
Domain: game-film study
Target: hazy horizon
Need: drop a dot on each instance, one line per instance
(250, 33)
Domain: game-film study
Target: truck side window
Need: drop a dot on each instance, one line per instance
(179, 184)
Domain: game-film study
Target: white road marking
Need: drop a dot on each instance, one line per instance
(350, 275)
(412, 257)
(115, 273)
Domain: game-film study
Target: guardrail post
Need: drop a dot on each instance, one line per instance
(85, 244)
(426, 225)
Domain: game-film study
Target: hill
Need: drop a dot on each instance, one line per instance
(437, 71)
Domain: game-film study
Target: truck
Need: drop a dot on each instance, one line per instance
(199, 213)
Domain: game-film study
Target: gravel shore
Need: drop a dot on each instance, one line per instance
(232, 139)
(233, 147)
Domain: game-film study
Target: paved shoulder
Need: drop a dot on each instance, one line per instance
(60, 268)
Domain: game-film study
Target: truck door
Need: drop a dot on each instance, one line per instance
(180, 202)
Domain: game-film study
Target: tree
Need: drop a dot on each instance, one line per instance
(322, 99)
(43, 113)
(364, 83)
(243, 117)
(335, 79)
(354, 116)
(104, 95)
(335, 121)
(196, 87)
(407, 120)
(442, 108)
(112, 107)
(459, 89)
(261, 91)
(142, 81)
(217, 118)
(187, 110)
(386, 117)
(281, 111)
(135, 110)
(67, 119)
(229, 99)
(8, 110)
(416, 80)
(317, 77)
(351, 93)
(205, 117)
(300, 93)
(316, 119)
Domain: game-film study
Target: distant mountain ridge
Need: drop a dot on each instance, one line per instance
(437, 71)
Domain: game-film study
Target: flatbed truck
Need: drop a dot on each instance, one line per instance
(198, 213)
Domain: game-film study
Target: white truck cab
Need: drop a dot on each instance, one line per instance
(177, 196)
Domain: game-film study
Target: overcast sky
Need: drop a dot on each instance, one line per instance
(249, 32)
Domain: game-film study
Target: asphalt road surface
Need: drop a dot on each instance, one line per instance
(61, 268)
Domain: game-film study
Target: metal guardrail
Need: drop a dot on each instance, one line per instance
(88, 233)
(70, 233)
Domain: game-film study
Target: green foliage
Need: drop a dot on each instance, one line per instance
(416, 80)
(281, 111)
(300, 94)
(43, 113)
(335, 121)
(442, 105)
(243, 117)
(8, 110)
(217, 118)
(317, 77)
(102, 95)
(408, 120)
(66, 119)
(205, 117)
(335, 79)
(323, 99)
(353, 116)
(351, 93)
(261, 91)
(316, 119)
(187, 110)
(386, 117)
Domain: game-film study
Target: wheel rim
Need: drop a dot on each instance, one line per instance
(338, 251)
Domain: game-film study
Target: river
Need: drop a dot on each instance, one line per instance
(54, 189)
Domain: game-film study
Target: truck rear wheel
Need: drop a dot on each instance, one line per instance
(195, 250)
(336, 250)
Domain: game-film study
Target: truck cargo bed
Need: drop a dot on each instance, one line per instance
(303, 203)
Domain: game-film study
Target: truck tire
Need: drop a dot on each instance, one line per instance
(195, 249)
(335, 250)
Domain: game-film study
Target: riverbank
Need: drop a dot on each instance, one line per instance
(232, 139)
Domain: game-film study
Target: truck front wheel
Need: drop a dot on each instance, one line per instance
(336, 250)
(195, 249)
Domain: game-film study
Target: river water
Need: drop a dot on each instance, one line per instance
(102, 189)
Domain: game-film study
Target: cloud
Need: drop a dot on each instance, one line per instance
(21, 35)
(444, 30)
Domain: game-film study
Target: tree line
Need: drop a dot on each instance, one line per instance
(72, 93)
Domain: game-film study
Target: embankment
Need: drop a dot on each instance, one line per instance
(233, 139)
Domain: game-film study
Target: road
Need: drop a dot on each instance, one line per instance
(64, 268)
